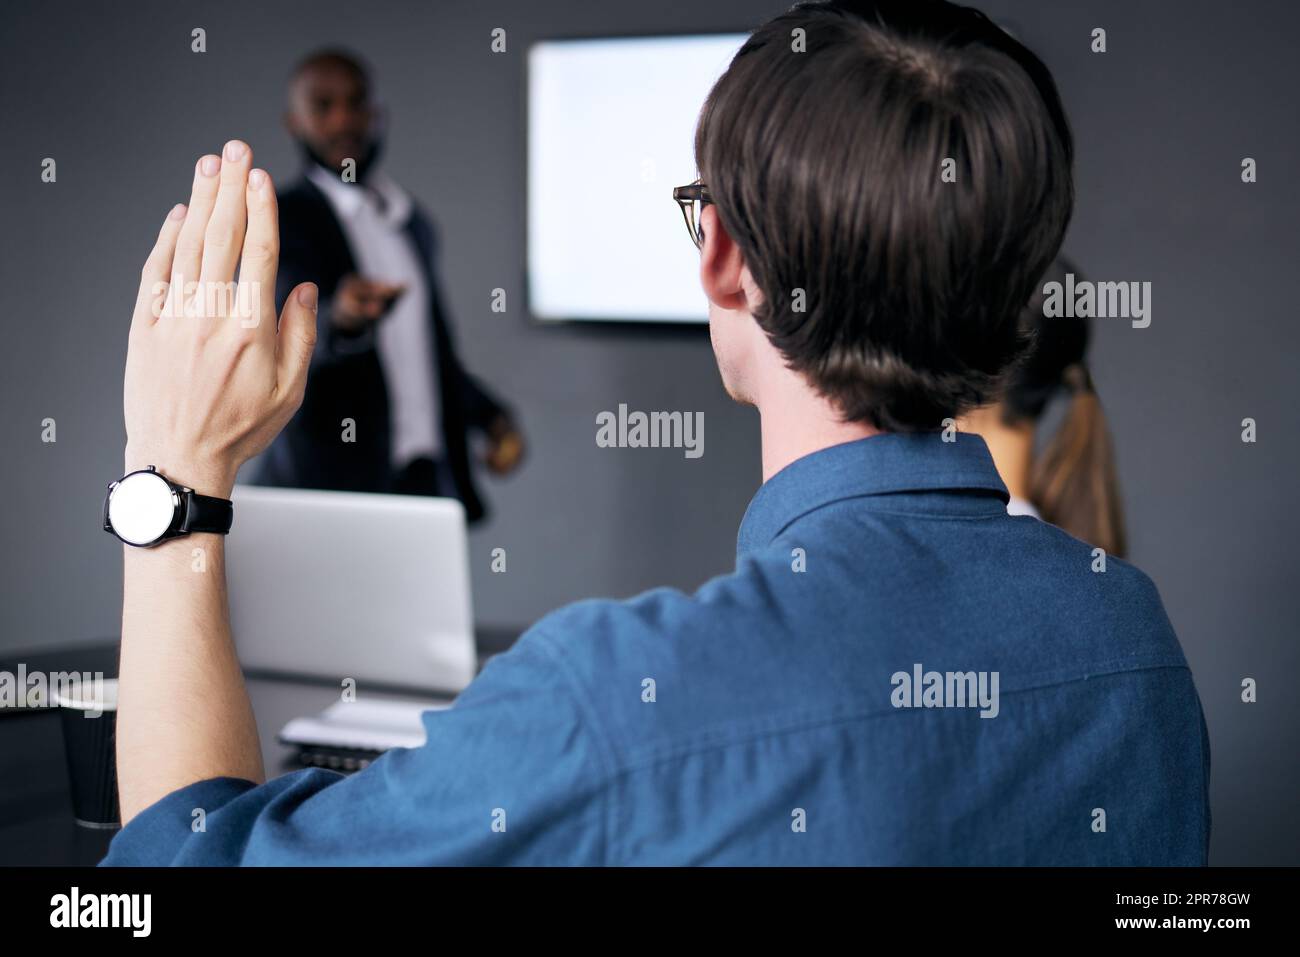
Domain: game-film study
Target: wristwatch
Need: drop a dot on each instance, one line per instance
(145, 508)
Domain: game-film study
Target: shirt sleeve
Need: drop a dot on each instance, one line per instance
(510, 774)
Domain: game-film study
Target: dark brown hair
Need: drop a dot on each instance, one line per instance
(1073, 483)
(824, 163)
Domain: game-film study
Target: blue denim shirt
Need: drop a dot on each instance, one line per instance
(896, 672)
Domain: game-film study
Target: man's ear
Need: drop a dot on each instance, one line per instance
(721, 265)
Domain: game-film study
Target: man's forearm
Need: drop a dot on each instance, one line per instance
(203, 393)
(184, 713)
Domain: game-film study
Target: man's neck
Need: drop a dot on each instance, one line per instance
(797, 422)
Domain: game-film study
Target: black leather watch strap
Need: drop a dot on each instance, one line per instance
(203, 513)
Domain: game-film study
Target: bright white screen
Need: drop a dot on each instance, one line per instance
(611, 125)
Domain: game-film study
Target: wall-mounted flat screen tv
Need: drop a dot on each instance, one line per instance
(610, 130)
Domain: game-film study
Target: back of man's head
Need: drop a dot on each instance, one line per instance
(901, 170)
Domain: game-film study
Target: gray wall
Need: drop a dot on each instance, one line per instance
(1162, 121)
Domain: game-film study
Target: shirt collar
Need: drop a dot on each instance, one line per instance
(879, 465)
(1019, 506)
(348, 198)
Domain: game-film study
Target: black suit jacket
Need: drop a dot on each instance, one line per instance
(346, 379)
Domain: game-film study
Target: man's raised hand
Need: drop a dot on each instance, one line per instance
(211, 378)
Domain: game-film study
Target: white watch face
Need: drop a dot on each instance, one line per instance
(141, 508)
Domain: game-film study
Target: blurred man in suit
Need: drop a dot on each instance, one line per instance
(388, 405)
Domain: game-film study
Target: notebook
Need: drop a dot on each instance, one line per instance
(348, 735)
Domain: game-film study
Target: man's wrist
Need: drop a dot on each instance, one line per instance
(206, 478)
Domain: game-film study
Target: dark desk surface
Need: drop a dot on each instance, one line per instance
(36, 826)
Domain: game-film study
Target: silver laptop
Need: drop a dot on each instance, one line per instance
(350, 585)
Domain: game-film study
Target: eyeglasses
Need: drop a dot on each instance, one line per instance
(692, 199)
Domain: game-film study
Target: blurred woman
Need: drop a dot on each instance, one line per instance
(1072, 483)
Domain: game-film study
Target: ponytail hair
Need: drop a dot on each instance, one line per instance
(1074, 484)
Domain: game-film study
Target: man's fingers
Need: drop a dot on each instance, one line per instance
(261, 256)
(377, 287)
(151, 300)
(295, 342)
(189, 245)
(224, 236)
(376, 296)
